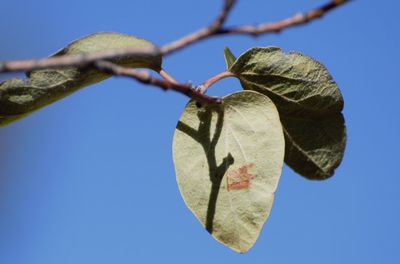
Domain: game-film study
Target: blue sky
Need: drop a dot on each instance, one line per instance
(90, 178)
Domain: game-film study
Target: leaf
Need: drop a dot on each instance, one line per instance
(229, 57)
(309, 103)
(19, 98)
(314, 148)
(228, 160)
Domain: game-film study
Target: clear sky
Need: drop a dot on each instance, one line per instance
(90, 179)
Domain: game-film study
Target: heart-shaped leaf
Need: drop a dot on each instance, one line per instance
(19, 98)
(228, 159)
(309, 103)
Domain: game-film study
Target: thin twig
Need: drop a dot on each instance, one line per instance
(214, 29)
(223, 15)
(167, 77)
(202, 33)
(277, 26)
(217, 29)
(217, 77)
(146, 78)
(202, 88)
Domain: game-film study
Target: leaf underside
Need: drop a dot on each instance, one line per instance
(19, 98)
(228, 160)
(309, 103)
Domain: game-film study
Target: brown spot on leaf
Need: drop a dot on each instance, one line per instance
(240, 179)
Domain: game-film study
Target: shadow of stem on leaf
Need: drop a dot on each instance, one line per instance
(209, 142)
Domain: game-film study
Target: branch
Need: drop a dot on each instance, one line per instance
(278, 26)
(223, 15)
(214, 29)
(202, 33)
(217, 29)
(146, 78)
(80, 60)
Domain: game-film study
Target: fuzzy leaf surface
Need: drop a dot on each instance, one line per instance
(19, 98)
(228, 160)
(309, 103)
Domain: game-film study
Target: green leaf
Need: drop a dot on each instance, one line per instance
(19, 98)
(228, 160)
(229, 58)
(314, 147)
(309, 103)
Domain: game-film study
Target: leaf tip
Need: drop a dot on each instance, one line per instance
(229, 58)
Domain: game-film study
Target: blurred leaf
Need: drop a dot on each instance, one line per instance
(229, 58)
(228, 160)
(309, 103)
(19, 98)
